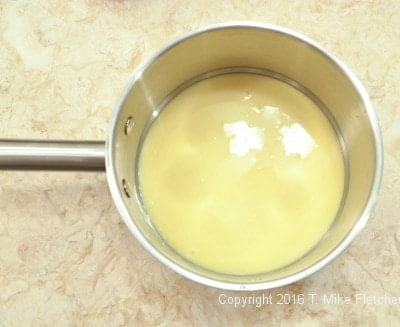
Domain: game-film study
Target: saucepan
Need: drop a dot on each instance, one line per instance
(230, 47)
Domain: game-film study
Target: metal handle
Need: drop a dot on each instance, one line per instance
(52, 155)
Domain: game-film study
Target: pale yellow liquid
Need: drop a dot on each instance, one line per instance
(241, 174)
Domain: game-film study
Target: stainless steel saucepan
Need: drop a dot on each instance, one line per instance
(231, 47)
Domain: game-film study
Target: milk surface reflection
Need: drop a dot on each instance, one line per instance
(294, 138)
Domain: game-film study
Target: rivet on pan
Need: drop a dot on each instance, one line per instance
(129, 123)
(125, 186)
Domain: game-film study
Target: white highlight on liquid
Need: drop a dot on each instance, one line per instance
(243, 137)
(296, 140)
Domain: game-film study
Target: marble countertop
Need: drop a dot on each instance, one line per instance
(67, 259)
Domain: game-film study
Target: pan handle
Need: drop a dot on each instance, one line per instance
(52, 155)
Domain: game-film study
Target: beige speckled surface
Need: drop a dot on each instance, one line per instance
(66, 258)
